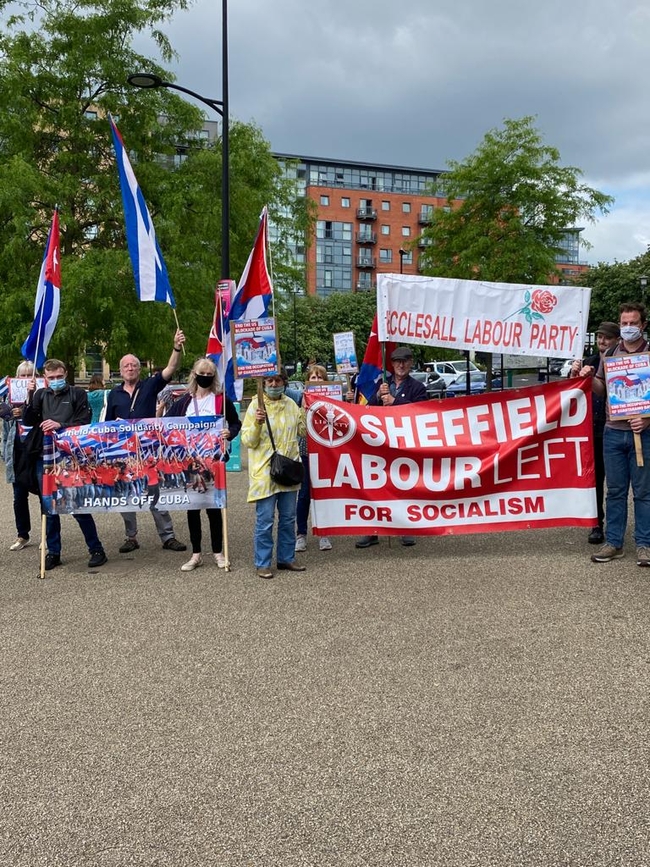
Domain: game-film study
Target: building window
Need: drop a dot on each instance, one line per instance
(407, 257)
(385, 206)
(406, 207)
(386, 256)
(345, 202)
(324, 200)
(385, 230)
(406, 231)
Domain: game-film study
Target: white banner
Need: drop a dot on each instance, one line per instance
(512, 318)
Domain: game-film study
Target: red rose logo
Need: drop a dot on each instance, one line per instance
(543, 301)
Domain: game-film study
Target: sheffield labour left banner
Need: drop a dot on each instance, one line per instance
(122, 466)
(513, 460)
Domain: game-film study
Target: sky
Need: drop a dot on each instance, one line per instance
(420, 83)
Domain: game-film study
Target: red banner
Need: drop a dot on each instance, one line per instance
(512, 460)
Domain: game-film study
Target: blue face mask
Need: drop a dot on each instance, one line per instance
(631, 333)
(274, 392)
(57, 384)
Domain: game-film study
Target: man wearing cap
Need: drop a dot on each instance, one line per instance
(400, 388)
(607, 336)
(621, 468)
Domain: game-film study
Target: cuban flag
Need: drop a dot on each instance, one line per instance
(372, 369)
(255, 291)
(149, 270)
(251, 300)
(46, 308)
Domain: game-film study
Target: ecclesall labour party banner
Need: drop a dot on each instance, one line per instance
(511, 460)
(510, 318)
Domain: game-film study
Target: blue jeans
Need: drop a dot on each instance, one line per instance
(621, 470)
(53, 525)
(264, 520)
(304, 499)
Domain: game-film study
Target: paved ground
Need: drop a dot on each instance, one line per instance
(478, 700)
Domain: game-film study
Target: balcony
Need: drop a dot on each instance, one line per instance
(362, 286)
(424, 242)
(366, 262)
(366, 214)
(425, 217)
(366, 237)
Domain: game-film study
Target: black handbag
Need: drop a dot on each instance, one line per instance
(284, 471)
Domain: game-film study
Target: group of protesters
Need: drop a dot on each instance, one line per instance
(276, 424)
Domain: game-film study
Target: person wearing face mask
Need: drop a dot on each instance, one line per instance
(205, 398)
(287, 424)
(317, 374)
(50, 409)
(621, 469)
(13, 452)
(607, 336)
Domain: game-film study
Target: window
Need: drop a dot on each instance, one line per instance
(385, 206)
(385, 256)
(406, 207)
(385, 230)
(345, 202)
(324, 200)
(406, 231)
(407, 257)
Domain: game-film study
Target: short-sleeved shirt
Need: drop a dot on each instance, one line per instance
(140, 404)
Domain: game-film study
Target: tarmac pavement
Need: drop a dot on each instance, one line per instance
(474, 700)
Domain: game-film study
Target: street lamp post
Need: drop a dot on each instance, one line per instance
(148, 80)
(402, 253)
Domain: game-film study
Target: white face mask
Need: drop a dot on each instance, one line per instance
(630, 333)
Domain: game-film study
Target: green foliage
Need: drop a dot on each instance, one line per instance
(516, 202)
(612, 285)
(63, 67)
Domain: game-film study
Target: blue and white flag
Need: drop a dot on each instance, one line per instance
(46, 308)
(149, 270)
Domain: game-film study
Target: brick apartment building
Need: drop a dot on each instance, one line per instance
(369, 216)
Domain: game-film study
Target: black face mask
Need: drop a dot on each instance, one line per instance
(204, 380)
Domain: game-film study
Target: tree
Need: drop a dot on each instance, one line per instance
(509, 204)
(613, 284)
(63, 66)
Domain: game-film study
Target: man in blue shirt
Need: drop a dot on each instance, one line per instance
(136, 398)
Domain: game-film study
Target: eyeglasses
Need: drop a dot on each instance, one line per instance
(127, 366)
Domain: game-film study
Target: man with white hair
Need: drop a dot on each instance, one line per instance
(137, 398)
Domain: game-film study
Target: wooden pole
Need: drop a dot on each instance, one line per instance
(638, 448)
(224, 527)
(43, 545)
(179, 328)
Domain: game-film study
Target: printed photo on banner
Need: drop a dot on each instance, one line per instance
(345, 354)
(327, 390)
(123, 466)
(18, 389)
(486, 463)
(628, 385)
(510, 318)
(254, 347)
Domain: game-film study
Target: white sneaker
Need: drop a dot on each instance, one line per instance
(324, 544)
(194, 561)
(301, 544)
(19, 544)
(220, 560)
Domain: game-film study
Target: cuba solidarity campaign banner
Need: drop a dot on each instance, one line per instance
(512, 460)
(123, 466)
(550, 321)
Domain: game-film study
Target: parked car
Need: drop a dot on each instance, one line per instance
(434, 383)
(478, 384)
(565, 370)
(555, 366)
(449, 370)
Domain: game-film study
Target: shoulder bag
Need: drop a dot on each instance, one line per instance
(284, 471)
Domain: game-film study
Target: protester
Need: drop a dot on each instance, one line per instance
(13, 436)
(50, 409)
(97, 397)
(317, 374)
(287, 424)
(399, 388)
(204, 397)
(136, 398)
(607, 336)
(621, 468)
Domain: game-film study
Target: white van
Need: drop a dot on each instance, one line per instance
(449, 370)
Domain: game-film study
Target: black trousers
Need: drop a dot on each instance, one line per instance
(216, 529)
